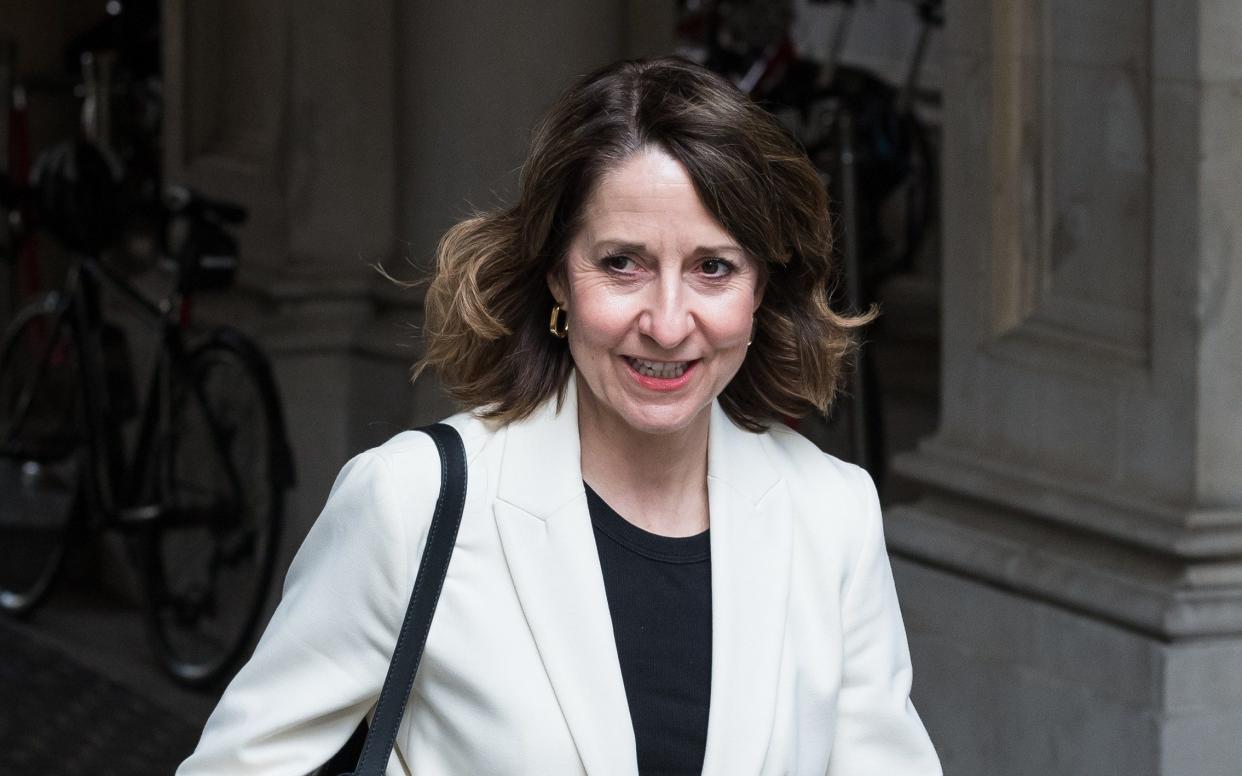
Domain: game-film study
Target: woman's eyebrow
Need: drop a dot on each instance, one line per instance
(626, 246)
(722, 248)
(622, 246)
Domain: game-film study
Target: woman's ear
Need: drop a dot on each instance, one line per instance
(556, 284)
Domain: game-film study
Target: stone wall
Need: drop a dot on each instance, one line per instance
(1073, 576)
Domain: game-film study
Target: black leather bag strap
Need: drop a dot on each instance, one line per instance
(431, 571)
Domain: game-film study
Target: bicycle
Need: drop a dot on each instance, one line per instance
(202, 493)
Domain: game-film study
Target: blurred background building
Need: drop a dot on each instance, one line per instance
(1059, 366)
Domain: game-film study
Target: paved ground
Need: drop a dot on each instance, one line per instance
(65, 718)
(83, 695)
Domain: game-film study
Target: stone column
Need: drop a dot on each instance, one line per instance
(1073, 576)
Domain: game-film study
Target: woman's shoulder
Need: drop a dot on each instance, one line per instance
(832, 499)
(412, 452)
(400, 479)
(810, 469)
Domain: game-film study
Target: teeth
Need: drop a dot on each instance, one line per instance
(663, 369)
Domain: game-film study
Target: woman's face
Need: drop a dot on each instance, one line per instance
(660, 298)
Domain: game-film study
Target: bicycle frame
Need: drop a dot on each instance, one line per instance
(120, 489)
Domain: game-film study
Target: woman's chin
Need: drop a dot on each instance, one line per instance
(625, 407)
(663, 420)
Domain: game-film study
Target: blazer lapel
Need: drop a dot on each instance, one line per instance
(751, 542)
(549, 546)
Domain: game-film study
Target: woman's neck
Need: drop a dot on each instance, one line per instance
(656, 481)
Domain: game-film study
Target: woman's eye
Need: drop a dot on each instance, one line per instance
(716, 267)
(619, 262)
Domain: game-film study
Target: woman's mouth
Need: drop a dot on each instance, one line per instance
(660, 375)
(665, 370)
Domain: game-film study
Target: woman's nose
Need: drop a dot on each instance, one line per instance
(667, 319)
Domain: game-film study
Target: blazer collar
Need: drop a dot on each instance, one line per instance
(549, 545)
(542, 468)
(751, 539)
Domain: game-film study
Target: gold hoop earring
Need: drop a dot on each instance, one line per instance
(558, 326)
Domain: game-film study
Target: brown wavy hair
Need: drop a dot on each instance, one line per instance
(488, 303)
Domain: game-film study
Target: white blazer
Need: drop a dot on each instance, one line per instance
(810, 669)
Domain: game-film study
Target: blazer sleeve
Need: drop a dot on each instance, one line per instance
(878, 730)
(320, 663)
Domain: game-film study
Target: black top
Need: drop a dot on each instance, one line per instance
(660, 596)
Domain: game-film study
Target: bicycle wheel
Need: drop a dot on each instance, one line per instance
(41, 435)
(209, 561)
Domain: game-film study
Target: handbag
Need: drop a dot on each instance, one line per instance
(370, 747)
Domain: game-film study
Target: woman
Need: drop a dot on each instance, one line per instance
(649, 576)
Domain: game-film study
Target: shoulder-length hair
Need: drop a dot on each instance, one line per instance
(488, 303)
